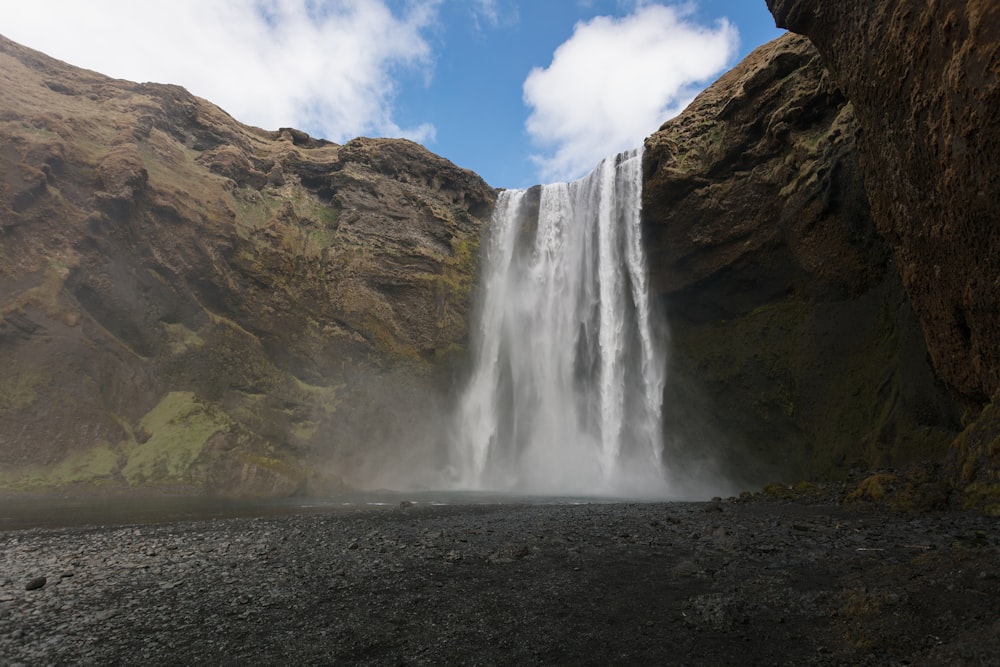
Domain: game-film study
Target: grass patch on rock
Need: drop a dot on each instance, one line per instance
(94, 466)
(178, 429)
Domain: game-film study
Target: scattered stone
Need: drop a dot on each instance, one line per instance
(748, 578)
(35, 584)
(509, 553)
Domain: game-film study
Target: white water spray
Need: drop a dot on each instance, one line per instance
(567, 383)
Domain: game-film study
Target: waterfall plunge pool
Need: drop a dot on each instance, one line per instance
(63, 512)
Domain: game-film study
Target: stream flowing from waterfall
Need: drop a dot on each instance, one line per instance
(568, 369)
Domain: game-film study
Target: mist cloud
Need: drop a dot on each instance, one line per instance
(614, 81)
(328, 67)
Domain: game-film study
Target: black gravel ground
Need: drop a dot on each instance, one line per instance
(721, 583)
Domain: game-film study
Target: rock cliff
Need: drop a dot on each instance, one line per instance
(194, 304)
(795, 352)
(924, 81)
(191, 304)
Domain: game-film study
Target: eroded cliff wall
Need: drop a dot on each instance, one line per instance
(191, 303)
(924, 80)
(795, 352)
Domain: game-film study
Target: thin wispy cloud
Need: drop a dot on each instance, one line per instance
(486, 11)
(328, 67)
(615, 80)
(491, 14)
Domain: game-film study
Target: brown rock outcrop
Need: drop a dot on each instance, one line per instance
(190, 302)
(924, 79)
(794, 350)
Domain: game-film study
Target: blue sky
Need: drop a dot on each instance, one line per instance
(519, 91)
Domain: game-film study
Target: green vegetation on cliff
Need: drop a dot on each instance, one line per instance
(255, 305)
(173, 436)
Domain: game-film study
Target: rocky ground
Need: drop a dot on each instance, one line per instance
(719, 583)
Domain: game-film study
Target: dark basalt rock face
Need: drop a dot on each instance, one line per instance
(923, 80)
(194, 304)
(794, 350)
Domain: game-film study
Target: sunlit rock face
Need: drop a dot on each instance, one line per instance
(794, 351)
(196, 305)
(922, 78)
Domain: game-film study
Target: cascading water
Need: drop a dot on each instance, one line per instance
(566, 387)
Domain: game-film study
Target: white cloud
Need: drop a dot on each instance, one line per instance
(490, 14)
(328, 67)
(614, 81)
(487, 10)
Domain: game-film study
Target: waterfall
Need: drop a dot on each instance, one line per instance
(568, 371)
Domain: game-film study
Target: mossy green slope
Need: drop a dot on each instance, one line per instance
(186, 301)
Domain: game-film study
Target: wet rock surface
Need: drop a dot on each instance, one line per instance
(680, 583)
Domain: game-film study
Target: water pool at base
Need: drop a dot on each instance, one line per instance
(57, 512)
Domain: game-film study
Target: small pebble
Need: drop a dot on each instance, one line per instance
(35, 584)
